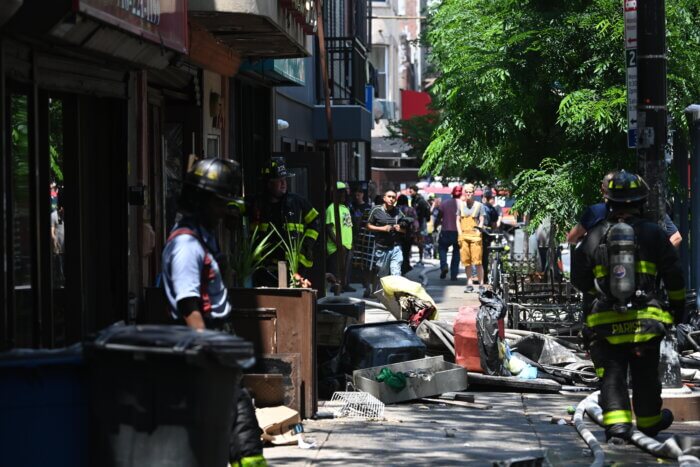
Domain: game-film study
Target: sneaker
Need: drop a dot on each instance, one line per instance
(443, 273)
(666, 421)
(347, 288)
(367, 293)
(469, 289)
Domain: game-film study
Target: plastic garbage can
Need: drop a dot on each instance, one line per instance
(43, 408)
(163, 395)
(377, 344)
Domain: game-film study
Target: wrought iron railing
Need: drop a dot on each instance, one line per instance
(347, 71)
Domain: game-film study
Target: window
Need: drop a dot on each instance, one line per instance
(378, 57)
(21, 248)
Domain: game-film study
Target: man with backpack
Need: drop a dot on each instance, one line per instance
(193, 281)
(622, 261)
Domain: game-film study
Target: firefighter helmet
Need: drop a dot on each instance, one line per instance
(626, 187)
(219, 176)
(276, 168)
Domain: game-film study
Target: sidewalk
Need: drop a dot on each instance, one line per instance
(415, 433)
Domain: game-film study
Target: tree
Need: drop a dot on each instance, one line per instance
(537, 87)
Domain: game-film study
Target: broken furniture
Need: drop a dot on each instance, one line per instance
(281, 321)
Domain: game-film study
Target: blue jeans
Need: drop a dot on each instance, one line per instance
(447, 239)
(389, 261)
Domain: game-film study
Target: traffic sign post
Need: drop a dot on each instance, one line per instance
(630, 12)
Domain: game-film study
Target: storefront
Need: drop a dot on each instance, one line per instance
(74, 152)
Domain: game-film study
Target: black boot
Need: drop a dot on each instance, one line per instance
(619, 433)
(666, 421)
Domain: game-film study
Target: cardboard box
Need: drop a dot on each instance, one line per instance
(434, 376)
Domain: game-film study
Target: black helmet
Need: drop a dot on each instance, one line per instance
(219, 176)
(625, 187)
(276, 168)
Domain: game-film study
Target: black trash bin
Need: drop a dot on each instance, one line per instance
(43, 408)
(163, 396)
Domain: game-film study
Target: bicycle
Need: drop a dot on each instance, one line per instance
(498, 244)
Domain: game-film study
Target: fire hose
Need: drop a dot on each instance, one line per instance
(669, 449)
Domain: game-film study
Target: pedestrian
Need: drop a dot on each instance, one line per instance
(492, 220)
(412, 231)
(194, 285)
(447, 219)
(592, 215)
(430, 230)
(624, 259)
(417, 202)
(470, 248)
(386, 223)
(291, 214)
(335, 247)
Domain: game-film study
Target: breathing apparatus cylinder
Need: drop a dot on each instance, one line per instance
(621, 250)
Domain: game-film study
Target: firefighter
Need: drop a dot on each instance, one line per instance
(622, 262)
(291, 215)
(193, 280)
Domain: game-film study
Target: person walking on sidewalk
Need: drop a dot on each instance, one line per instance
(194, 285)
(624, 259)
(447, 219)
(412, 228)
(386, 223)
(471, 216)
(422, 208)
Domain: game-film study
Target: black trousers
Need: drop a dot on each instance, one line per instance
(245, 434)
(642, 361)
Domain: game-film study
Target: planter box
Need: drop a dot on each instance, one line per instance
(440, 377)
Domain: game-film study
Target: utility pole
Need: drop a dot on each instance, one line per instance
(331, 163)
(651, 104)
(652, 138)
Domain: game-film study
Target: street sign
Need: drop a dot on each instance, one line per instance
(630, 13)
(630, 24)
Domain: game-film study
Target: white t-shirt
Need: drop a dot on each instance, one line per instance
(183, 261)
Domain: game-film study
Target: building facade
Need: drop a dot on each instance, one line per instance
(106, 103)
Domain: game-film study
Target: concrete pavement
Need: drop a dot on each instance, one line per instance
(518, 426)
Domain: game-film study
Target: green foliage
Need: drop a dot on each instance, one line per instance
(292, 245)
(19, 147)
(548, 191)
(250, 253)
(56, 138)
(529, 88)
(417, 132)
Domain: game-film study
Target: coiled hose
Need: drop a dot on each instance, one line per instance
(668, 449)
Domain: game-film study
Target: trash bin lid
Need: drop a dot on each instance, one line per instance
(34, 358)
(224, 348)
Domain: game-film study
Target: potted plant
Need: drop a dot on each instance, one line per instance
(292, 245)
(250, 254)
